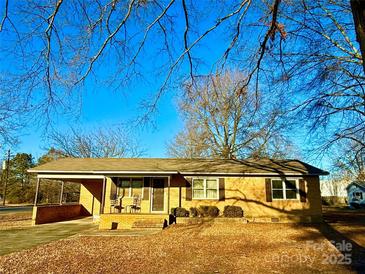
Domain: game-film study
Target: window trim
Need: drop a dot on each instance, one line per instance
(358, 197)
(205, 187)
(130, 186)
(297, 196)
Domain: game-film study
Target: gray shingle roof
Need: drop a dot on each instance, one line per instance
(183, 166)
(358, 183)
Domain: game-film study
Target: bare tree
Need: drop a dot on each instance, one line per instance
(358, 12)
(321, 67)
(58, 46)
(351, 163)
(191, 142)
(307, 47)
(224, 121)
(99, 143)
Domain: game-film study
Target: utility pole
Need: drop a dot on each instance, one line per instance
(6, 167)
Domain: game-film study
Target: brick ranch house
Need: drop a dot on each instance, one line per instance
(267, 190)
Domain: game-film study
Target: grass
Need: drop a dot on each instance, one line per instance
(204, 248)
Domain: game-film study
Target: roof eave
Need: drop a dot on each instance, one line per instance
(185, 173)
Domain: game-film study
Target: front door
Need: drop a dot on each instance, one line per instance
(158, 195)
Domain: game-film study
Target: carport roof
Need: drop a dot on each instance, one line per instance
(174, 166)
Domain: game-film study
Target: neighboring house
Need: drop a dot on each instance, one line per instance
(280, 190)
(356, 194)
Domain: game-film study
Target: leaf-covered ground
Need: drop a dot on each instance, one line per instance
(208, 248)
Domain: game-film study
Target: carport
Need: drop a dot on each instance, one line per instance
(47, 213)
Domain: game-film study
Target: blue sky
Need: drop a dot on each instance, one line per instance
(105, 107)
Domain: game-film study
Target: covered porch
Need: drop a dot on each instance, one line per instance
(136, 201)
(116, 201)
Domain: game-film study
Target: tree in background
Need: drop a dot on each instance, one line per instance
(106, 142)
(223, 120)
(51, 155)
(351, 164)
(49, 191)
(20, 187)
(321, 66)
(306, 48)
(191, 142)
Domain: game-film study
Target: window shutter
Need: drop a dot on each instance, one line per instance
(268, 190)
(221, 189)
(302, 193)
(188, 194)
(113, 189)
(146, 188)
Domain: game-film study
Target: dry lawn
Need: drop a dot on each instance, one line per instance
(15, 220)
(208, 248)
(350, 223)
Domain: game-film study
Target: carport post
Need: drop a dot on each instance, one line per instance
(168, 193)
(103, 197)
(36, 191)
(61, 193)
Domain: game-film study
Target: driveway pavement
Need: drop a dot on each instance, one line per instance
(17, 239)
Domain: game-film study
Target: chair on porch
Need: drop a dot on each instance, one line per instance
(116, 204)
(136, 206)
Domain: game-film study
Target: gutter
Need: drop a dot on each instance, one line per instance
(109, 172)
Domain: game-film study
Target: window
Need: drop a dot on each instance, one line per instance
(284, 189)
(136, 188)
(205, 188)
(358, 195)
(129, 187)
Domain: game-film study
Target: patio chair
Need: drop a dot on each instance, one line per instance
(116, 204)
(136, 206)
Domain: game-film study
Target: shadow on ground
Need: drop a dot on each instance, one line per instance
(354, 220)
(340, 228)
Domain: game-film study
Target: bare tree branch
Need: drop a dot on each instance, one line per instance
(5, 16)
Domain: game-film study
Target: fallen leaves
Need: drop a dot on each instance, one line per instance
(203, 248)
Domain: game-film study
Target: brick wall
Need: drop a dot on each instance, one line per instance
(57, 213)
(246, 192)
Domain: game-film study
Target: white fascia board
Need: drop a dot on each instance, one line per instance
(100, 172)
(59, 171)
(69, 176)
(134, 172)
(245, 174)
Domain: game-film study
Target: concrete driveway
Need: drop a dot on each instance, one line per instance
(16, 239)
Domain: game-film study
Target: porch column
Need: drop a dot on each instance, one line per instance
(168, 194)
(61, 193)
(103, 197)
(36, 192)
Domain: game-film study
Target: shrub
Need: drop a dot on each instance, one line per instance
(209, 211)
(233, 212)
(325, 201)
(180, 212)
(194, 212)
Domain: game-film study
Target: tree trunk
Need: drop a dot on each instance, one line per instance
(358, 12)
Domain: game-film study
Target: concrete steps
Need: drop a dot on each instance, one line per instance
(133, 221)
(149, 224)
